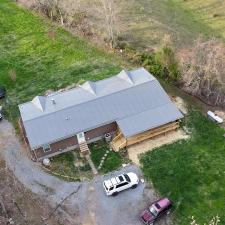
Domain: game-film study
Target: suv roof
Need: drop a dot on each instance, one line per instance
(115, 180)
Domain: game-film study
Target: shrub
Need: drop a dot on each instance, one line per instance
(162, 64)
(166, 58)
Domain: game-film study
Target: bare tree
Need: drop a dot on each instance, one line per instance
(109, 10)
(76, 15)
(203, 70)
(69, 13)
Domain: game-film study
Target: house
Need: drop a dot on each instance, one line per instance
(132, 106)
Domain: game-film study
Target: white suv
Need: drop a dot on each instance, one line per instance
(122, 182)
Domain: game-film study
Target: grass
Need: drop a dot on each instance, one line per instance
(211, 12)
(36, 56)
(146, 24)
(114, 160)
(191, 172)
(63, 167)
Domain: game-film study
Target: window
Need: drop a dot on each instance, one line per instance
(153, 211)
(127, 178)
(157, 205)
(111, 188)
(121, 185)
(46, 148)
(121, 179)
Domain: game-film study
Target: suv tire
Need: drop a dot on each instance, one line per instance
(115, 193)
(134, 186)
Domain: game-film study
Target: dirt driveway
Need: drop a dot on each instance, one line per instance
(81, 203)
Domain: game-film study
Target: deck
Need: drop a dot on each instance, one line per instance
(120, 142)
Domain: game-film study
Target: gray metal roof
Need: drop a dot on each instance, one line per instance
(149, 119)
(129, 96)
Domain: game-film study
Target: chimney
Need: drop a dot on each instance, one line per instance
(53, 101)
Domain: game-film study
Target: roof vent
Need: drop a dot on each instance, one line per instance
(53, 101)
(125, 75)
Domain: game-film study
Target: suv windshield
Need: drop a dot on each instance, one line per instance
(127, 178)
(153, 211)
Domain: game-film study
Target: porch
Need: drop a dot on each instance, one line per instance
(120, 141)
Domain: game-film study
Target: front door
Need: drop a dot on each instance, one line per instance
(81, 137)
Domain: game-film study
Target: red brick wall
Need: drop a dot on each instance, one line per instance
(97, 132)
(55, 147)
(72, 141)
(63, 144)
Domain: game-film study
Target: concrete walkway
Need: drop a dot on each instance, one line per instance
(94, 170)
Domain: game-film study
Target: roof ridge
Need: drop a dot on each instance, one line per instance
(55, 93)
(91, 100)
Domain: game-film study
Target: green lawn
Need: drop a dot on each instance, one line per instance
(36, 56)
(191, 172)
(113, 160)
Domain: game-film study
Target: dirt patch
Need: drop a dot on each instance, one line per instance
(222, 115)
(148, 145)
(18, 205)
(181, 105)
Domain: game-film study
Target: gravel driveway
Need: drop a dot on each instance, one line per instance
(88, 204)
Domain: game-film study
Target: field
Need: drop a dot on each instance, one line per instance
(148, 24)
(191, 172)
(36, 56)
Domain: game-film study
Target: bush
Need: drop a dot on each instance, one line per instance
(162, 64)
(166, 58)
(149, 62)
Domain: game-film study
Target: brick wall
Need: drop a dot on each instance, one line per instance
(69, 143)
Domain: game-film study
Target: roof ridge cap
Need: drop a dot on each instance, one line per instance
(104, 96)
